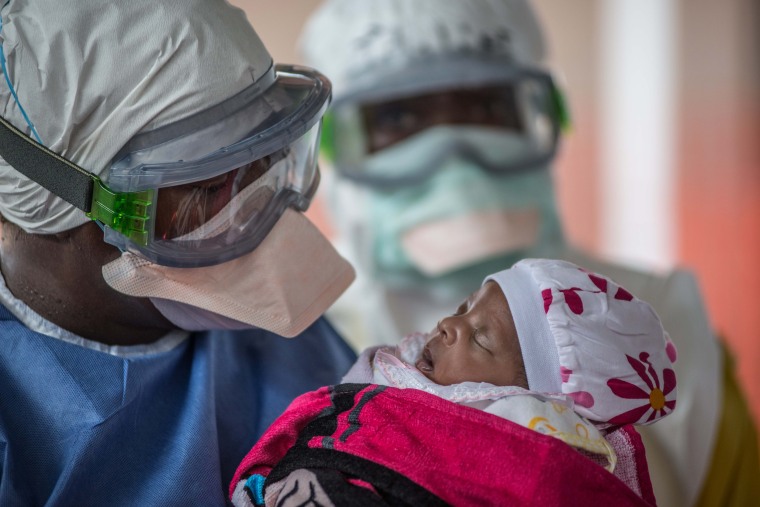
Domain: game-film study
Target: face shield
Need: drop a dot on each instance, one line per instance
(507, 101)
(205, 189)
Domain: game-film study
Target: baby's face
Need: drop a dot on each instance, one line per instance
(477, 344)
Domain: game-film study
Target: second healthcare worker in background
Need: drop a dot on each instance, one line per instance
(443, 131)
(155, 167)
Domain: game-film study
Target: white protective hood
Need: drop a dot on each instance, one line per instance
(359, 44)
(92, 74)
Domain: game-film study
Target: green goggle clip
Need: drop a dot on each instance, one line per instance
(562, 112)
(124, 212)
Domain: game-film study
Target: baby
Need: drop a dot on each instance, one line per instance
(545, 344)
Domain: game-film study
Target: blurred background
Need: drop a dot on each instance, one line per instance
(662, 164)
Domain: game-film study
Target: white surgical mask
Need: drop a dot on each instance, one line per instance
(282, 286)
(463, 215)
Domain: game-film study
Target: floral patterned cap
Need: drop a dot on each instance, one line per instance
(583, 335)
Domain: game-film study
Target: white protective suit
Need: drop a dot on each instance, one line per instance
(357, 41)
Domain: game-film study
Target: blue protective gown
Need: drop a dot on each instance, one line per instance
(83, 427)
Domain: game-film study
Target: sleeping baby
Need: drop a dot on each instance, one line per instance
(545, 347)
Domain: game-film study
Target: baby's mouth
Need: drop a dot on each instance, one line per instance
(425, 362)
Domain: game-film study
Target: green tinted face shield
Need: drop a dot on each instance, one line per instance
(205, 189)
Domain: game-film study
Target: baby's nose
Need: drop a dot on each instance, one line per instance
(449, 330)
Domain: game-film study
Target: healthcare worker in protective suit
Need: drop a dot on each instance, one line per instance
(443, 129)
(155, 166)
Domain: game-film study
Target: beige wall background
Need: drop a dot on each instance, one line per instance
(279, 23)
(716, 165)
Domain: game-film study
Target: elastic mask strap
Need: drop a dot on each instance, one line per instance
(126, 212)
(10, 86)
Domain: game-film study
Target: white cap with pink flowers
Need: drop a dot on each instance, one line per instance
(584, 336)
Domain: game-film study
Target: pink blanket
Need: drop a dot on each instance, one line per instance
(410, 447)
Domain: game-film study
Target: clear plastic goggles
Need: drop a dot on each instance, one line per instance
(520, 103)
(209, 188)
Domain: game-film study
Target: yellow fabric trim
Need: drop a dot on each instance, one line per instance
(734, 475)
